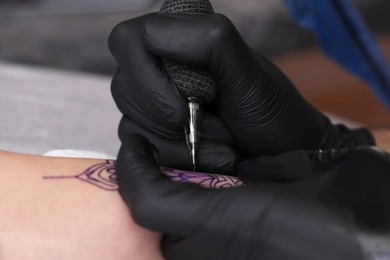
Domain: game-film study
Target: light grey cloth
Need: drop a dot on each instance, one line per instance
(43, 109)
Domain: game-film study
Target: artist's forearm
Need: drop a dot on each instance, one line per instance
(382, 138)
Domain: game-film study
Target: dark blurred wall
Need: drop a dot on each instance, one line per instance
(77, 39)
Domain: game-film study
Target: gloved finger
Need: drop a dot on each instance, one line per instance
(154, 200)
(211, 156)
(141, 87)
(196, 41)
(208, 42)
(293, 166)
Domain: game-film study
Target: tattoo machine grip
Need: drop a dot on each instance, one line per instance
(191, 83)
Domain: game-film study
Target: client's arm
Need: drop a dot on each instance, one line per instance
(64, 208)
(382, 138)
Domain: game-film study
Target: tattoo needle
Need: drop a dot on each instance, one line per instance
(192, 129)
(197, 86)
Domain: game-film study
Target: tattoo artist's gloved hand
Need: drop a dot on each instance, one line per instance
(152, 106)
(258, 110)
(255, 221)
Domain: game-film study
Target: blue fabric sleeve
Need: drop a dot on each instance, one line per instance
(344, 37)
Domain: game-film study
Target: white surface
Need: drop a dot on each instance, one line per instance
(78, 154)
(42, 109)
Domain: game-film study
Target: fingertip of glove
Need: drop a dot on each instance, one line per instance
(125, 30)
(217, 158)
(156, 30)
(171, 106)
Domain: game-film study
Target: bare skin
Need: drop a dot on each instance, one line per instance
(382, 138)
(67, 208)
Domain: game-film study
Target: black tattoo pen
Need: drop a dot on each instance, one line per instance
(197, 86)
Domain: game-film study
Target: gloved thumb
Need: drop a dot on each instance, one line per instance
(149, 193)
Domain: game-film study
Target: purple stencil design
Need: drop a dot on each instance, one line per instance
(207, 180)
(101, 175)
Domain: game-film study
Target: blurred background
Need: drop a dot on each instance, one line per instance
(72, 36)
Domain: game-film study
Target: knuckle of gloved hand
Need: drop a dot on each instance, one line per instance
(220, 29)
(217, 157)
(124, 33)
(172, 113)
(118, 34)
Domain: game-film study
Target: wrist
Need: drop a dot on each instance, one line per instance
(382, 138)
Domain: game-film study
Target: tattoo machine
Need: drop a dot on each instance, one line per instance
(197, 86)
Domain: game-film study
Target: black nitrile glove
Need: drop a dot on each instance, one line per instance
(289, 166)
(258, 110)
(257, 220)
